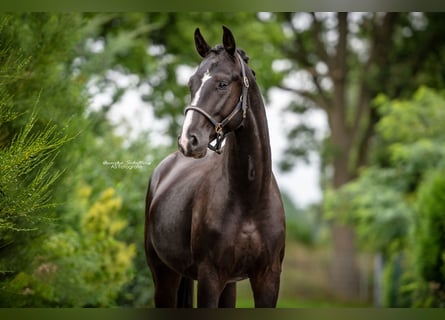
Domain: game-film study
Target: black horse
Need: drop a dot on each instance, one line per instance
(217, 217)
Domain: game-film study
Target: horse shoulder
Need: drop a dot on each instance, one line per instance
(162, 169)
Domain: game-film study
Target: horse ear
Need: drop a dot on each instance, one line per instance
(201, 45)
(229, 41)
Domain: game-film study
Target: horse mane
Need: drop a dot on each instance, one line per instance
(219, 48)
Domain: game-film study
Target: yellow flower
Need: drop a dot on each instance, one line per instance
(84, 192)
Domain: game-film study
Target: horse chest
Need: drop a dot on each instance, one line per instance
(244, 248)
(248, 242)
(232, 242)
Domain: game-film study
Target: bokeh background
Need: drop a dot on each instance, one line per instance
(91, 102)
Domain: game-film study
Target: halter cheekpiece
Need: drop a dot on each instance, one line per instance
(219, 126)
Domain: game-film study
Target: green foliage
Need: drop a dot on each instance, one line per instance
(26, 178)
(396, 205)
(430, 233)
(109, 160)
(380, 203)
(405, 121)
(151, 47)
(375, 206)
(412, 130)
(55, 57)
(399, 285)
(389, 53)
(299, 225)
(26, 203)
(40, 45)
(303, 140)
(38, 73)
(31, 82)
(75, 269)
(90, 253)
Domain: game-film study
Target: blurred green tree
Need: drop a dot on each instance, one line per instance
(64, 140)
(31, 84)
(157, 49)
(413, 129)
(342, 61)
(394, 205)
(430, 236)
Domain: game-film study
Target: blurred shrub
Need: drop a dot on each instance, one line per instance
(86, 265)
(397, 205)
(430, 234)
(302, 224)
(375, 206)
(299, 231)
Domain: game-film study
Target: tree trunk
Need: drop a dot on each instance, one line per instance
(344, 270)
(345, 275)
(351, 122)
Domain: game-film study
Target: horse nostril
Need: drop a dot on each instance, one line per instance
(193, 140)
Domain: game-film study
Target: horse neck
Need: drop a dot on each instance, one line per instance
(248, 150)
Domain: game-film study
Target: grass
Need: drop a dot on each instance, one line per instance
(305, 282)
(303, 303)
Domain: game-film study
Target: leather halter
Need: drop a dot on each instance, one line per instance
(219, 126)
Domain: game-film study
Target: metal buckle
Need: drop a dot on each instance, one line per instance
(218, 128)
(246, 82)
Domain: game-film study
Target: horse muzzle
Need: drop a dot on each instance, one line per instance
(190, 146)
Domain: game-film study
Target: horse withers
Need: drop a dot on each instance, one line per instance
(217, 217)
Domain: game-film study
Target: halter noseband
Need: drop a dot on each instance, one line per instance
(219, 126)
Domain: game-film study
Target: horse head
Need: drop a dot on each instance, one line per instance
(218, 96)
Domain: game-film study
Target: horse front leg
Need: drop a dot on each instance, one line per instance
(265, 287)
(227, 298)
(166, 281)
(166, 288)
(209, 288)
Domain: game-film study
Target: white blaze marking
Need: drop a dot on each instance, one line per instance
(204, 79)
(187, 122)
(189, 115)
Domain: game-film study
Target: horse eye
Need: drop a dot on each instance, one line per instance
(222, 85)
